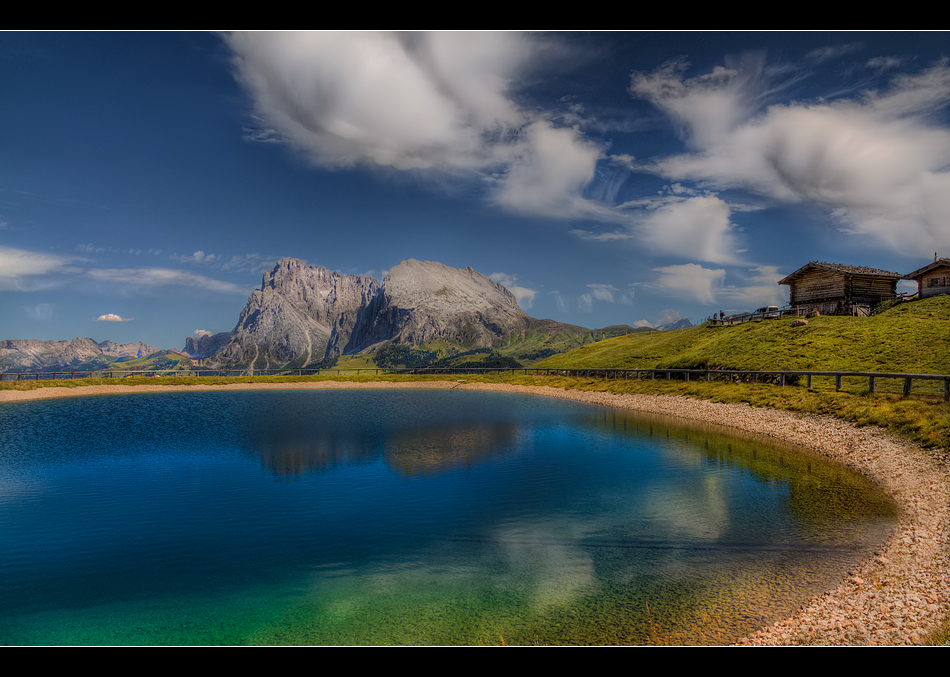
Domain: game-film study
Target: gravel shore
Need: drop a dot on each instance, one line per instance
(897, 597)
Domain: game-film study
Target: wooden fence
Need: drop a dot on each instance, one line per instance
(778, 377)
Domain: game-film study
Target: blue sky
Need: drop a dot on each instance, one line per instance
(147, 180)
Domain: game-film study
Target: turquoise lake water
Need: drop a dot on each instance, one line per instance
(406, 517)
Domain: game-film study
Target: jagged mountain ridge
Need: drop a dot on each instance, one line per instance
(303, 314)
(83, 354)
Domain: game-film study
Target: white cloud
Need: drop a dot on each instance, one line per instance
(823, 54)
(549, 174)
(585, 303)
(885, 62)
(610, 293)
(203, 332)
(758, 286)
(162, 277)
(690, 280)
(524, 295)
(420, 101)
(668, 316)
(696, 227)
(198, 257)
(877, 163)
(907, 286)
(21, 270)
(112, 317)
(405, 101)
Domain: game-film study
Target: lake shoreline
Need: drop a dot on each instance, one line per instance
(896, 597)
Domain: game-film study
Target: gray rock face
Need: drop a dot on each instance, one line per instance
(426, 301)
(81, 353)
(292, 318)
(206, 346)
(303, 314)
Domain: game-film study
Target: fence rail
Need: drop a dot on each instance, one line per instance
(780, 377)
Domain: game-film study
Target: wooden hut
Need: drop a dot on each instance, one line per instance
(836, 289)
(932, 279)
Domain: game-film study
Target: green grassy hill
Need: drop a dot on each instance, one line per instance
(539, 339)
(912, 337)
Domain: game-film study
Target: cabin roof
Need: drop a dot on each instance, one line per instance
(863, 271)
(939, 263)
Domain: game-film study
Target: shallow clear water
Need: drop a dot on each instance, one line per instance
(405, 517)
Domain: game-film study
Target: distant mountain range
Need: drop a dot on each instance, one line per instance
(683, 323)
(81, 354)
(303, 316)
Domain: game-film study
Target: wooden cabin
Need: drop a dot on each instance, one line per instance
(836, 289)
(932, 279)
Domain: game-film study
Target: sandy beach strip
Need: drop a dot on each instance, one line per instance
(897, 597)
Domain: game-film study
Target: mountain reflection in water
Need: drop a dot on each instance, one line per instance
(407, 517)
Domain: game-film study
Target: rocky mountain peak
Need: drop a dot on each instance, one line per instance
(440, 288)
(303, 314)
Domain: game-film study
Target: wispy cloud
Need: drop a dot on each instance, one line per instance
(874, 162)
(22, 270)
(41, 312)
(610, 294)
(163, 277)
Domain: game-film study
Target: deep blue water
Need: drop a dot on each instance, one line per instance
(405, 517)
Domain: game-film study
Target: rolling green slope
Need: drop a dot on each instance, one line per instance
(912, 337)
(538, 340)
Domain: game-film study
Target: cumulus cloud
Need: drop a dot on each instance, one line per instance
(203, 332)
(668, 316)
(758, 287)
(549, 173)
(420, 101)
(876, 162)
(524, 295)
(698, 228)
(690, 280)
(112, 317)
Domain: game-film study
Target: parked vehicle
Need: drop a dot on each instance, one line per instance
(769, 312)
